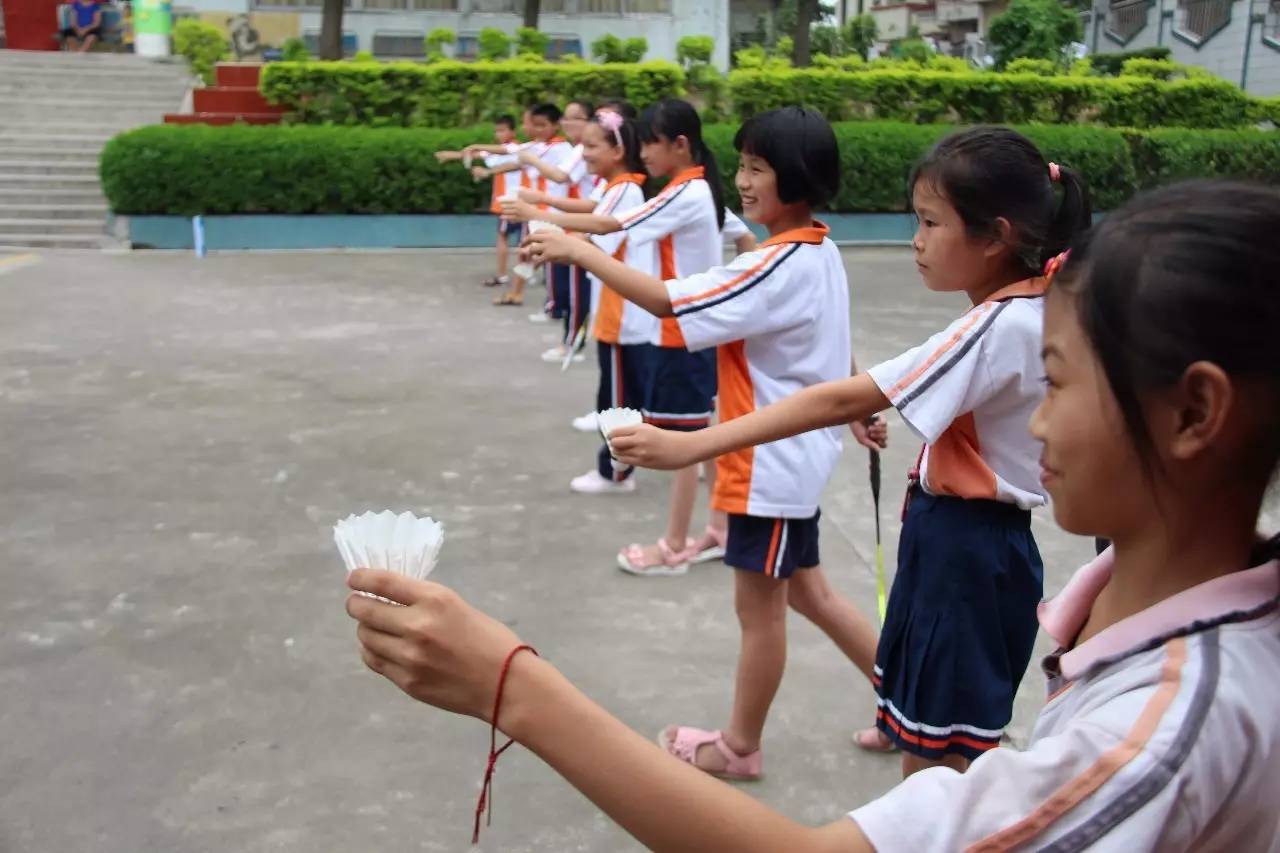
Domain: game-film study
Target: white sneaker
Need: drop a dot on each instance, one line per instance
(554, 355)
(591, 483)
(587, 423)
(540, 317)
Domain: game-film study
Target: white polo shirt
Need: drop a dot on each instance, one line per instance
(554, 152)
(969, 392)
(681, 219)
(582, 184)
(1160, 733)
(617, 320)
(780, 317)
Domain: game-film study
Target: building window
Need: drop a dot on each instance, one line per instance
(466, 47)
(432, 5)
(1127, 18)
(349, 43)
(399, 45)
(495, 6)
(600, 7)
(385, 4)
(1271, 24)
(649, 7)
(563, 46)
(1200, 20)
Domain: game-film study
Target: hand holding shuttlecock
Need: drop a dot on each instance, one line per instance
(524, 269)
(402, 543)
(611, 419)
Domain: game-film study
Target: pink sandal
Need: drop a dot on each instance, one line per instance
(632, 560)
(683, 742)
(711, 553)
(873, 740)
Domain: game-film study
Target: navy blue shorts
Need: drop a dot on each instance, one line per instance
(623, 371)
(960, 625)
(681, 390)
(509, 228)
(775, 547)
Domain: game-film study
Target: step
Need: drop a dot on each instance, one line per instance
(48, 182)
(231, 100)
(92, 212)
(64, 155)
(54, 132)
(39, 87)
(52, 241)
(49, 167)
(21, 197)
(50, 227)
(60, 105)
(59, 59)
(222, 118)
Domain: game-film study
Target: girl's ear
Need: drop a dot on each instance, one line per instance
(681, 143)
(1002, 237)
(1199, 408)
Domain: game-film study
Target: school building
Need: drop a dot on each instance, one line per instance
(1239, 40)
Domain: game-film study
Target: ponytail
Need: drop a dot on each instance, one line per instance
(1074, 214)
(672, 118)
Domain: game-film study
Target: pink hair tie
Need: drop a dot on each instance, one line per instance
(1055, 264)
(611, 122)
(1055, 173)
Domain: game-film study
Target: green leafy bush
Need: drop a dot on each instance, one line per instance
(1034, 29)
(984, 97)
(693, 50)
(1110, 64)
(363, 56)
(530, 40)
(1025, 65)
(202, 44)
(848, 62)
(492, 43)
(609, 48)
(294, 49)
(452, 94)
(860, 33)
(282, 169)
(436, 41)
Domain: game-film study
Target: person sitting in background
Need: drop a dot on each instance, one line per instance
(86, 26)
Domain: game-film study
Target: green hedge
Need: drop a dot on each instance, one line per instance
(987, 97)
(452, 94)
(220, 170)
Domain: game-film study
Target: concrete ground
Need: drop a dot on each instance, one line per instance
(176, 669)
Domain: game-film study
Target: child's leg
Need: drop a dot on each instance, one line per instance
(914, 763)
(503, 252)
(812, 596)
(684, 491)
(761, 603)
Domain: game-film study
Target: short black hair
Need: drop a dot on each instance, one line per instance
(548, 111)
(801, 147)
(508, 120)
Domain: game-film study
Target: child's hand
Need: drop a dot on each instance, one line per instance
(528, 158)
(437, 648)
(534, 196)
(872, 433)
(646, 446)
(444, 156)
(553, 247)
(520, 211)
(479, 172)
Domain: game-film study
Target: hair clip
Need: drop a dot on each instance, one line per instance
(1055, 264)
(610, 121)
(1055, 173)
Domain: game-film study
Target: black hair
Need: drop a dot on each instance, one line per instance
(987, 173)
(621, 107)
(587, 106)
(800, 146)
(548, 111)
(508, 120)
(629, 134)
(1178, 275)
(671, 118)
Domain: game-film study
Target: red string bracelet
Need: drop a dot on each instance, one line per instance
(483, 807)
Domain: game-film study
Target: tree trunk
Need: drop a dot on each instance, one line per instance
(331, 29)
(806, 11)
(531, 9)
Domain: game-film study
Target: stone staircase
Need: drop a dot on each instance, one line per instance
(57, 110)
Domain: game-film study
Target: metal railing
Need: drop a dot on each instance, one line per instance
(1202, 18)
(1125, 19)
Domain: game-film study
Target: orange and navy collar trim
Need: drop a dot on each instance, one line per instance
(1029, 287)
(637, 178)
(691, 174)
(815, 233)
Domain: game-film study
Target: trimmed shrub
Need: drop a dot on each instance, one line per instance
(1111, 64)
(450, 93)
(202, 44)
(492, 43)
(530, 40)
(1025, 65)
(436, 41)
(294, 49)
(926, 97)
(1166, 155)
(693, 50)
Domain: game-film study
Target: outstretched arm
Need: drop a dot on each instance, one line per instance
(440, 650)
(828, 404)
(551, 173)
(647, 291)
(586, 222)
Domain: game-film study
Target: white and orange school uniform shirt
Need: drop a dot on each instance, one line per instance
(504, 183)
(554, 152)
(779, 316)
(681, 220)
(1160, 733)
(582, 184)
(969, 392)
(619, 321)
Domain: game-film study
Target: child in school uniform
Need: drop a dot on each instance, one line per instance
(685, 221)
(505, 181)
(777, 319)
(961, 618)
(1160, 432)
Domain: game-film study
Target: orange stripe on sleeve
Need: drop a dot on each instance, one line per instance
(1076, 790)
(904, 383)
(729, 285)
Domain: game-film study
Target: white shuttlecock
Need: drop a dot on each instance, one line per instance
(538, 225)
(611, 419)
(402, 543)
(466, 161)
(524, 270)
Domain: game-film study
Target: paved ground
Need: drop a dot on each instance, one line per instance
(176, 670)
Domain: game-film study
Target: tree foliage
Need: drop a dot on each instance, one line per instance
(1034, 29)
